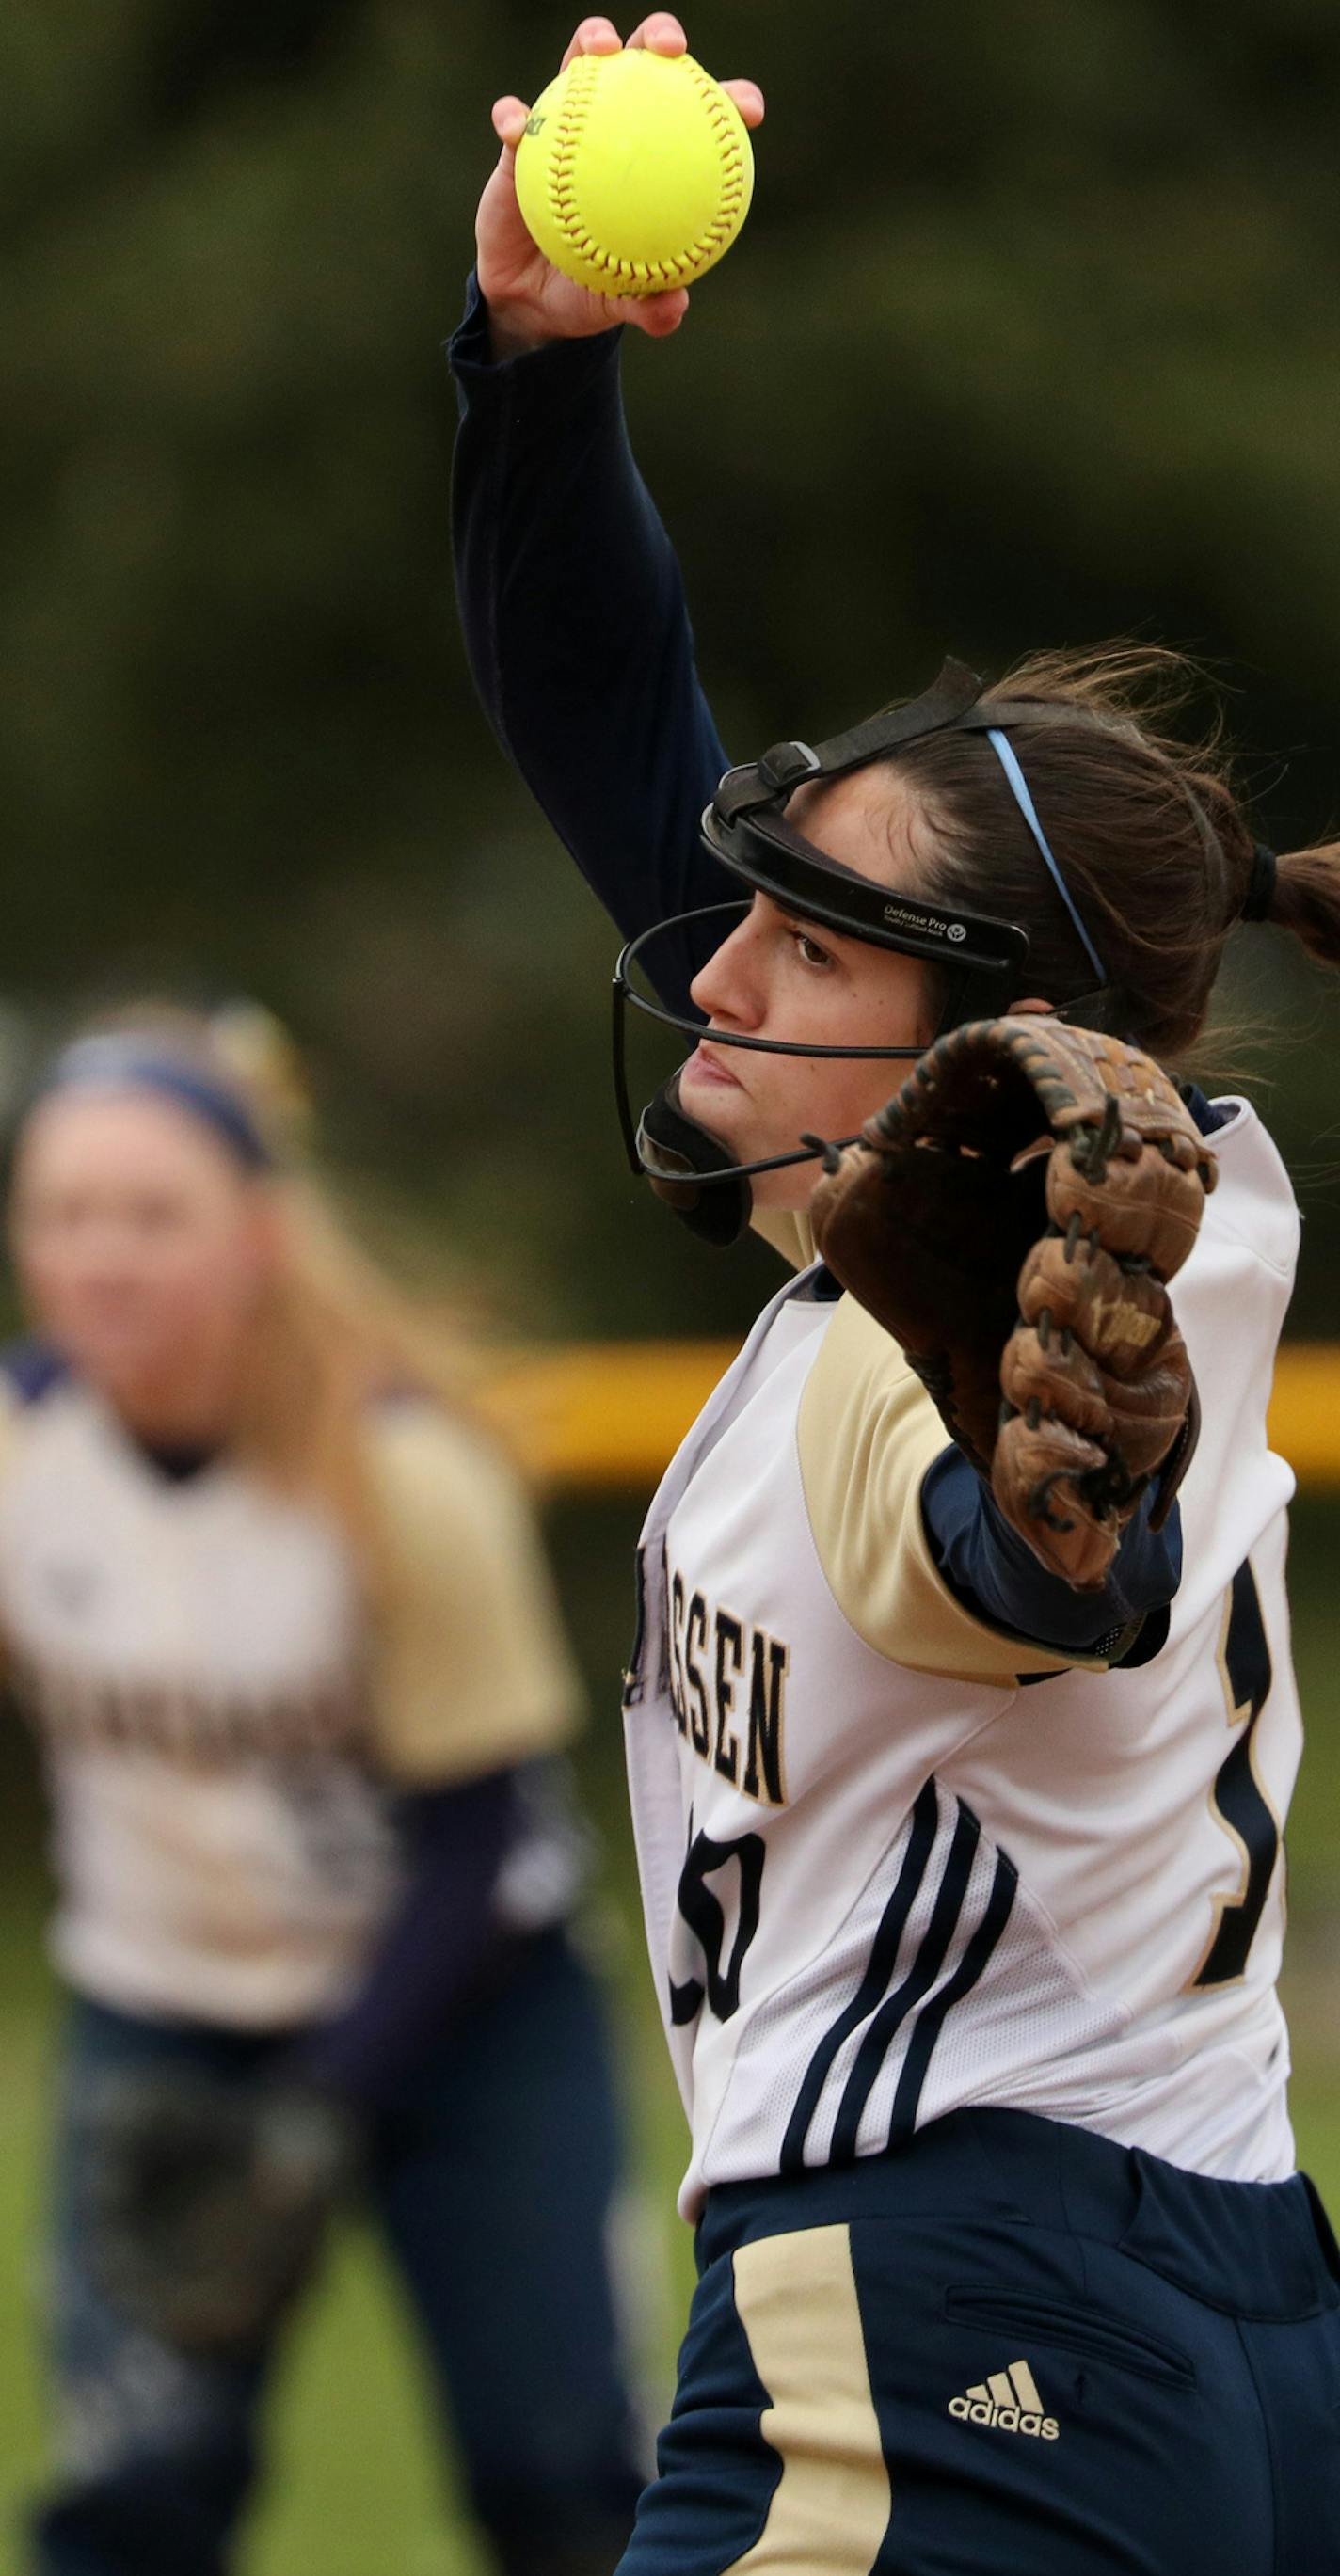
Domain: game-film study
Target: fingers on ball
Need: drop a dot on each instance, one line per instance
(509, 120)
(657, 315)
(593, 36)
(748, 98)
(660, 33)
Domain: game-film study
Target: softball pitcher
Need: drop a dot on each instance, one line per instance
(278, 1612)
(961, 1722)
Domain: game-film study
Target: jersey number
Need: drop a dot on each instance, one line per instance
(1240, 1804)
(705, 1916)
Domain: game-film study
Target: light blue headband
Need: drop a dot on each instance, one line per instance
(1019, 790)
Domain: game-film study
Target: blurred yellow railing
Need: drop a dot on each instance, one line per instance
(1305, 1411)
(598, 1415)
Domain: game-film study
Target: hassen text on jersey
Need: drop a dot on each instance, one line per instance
(728, 1691)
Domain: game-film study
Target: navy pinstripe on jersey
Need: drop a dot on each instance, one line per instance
(886, 2008)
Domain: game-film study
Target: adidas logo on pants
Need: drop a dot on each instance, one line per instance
(1009, 2402)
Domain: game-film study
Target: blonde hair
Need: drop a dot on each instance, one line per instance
(334, 1331)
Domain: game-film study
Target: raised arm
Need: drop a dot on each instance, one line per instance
(571, 600)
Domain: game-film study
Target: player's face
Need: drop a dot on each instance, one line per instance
(779, 976)
(143, 1251)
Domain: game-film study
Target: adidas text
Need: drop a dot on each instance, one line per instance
(1007, 2402)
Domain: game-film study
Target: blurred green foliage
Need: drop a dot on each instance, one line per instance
(1034, 335)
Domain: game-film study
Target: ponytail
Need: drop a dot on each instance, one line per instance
(1306, 899)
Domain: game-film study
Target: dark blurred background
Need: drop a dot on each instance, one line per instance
(1033, 337)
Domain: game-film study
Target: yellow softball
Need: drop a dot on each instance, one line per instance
(634, 173)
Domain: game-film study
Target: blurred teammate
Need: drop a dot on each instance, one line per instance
(964, 1887)
(279, 1613)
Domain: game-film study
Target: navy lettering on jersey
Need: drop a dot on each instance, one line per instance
(1240, 1803)
(705, 1915)
(763, 1774)
(728, 1691)
(729, 1661)
(183, 1722)
(700, 1724)
(634, 1679)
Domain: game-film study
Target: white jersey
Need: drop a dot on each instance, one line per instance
(885, 1875)
(225, 1726)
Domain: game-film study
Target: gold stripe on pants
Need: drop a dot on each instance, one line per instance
(796, 2299)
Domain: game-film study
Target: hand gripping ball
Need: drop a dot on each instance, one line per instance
(634, 173)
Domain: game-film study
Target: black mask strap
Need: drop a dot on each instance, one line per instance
(788, 764)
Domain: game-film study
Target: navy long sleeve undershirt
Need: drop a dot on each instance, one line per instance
(577, 633)
(442, 1939)
(579, 640)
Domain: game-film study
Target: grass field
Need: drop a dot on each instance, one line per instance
(355, 2482)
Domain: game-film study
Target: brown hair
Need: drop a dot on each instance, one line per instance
(1147, 828)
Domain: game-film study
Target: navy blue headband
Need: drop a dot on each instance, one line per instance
(117, 1063)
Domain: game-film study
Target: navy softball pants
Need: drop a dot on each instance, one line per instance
(492, 2184)
(1009, 2346)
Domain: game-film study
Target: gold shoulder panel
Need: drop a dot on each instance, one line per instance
(868, 1432)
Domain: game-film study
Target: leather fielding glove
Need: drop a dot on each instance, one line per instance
(1012, 1216)
(209, 2200)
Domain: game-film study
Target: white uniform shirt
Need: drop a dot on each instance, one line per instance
(884, 1875)
(224, 1722)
